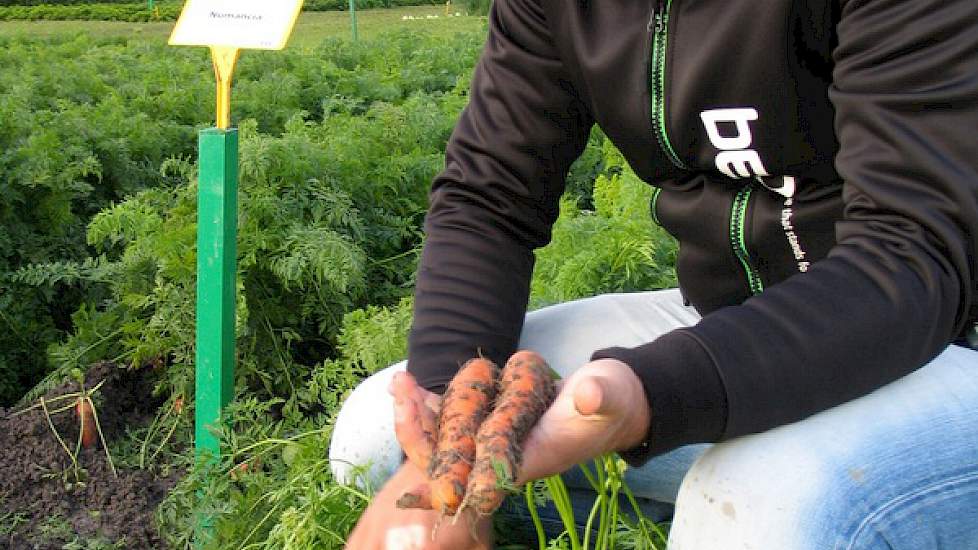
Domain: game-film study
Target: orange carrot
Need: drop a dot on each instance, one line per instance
(464, 406)
(86, 421)
(527, 391)
(242, 469)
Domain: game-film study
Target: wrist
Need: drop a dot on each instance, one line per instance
(638, 421)
(684, 393)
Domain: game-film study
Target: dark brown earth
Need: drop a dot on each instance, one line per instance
(38, 510)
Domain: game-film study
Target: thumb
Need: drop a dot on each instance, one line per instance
(592, 395)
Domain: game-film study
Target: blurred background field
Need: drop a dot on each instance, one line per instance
(311, 29)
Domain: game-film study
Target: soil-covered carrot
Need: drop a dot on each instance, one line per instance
(86, 421)
(464, 406)
(527, 391)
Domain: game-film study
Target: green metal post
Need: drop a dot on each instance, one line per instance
(353, 18)
(217, 214)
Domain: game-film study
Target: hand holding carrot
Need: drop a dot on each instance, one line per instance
(599, 409)
(484, 419)
(383, 525)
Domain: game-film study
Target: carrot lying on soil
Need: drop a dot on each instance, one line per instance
(527, 391)
(464, 406)
(86, 421)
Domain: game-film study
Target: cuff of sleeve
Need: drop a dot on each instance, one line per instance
(685, 393)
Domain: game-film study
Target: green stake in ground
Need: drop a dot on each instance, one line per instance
(353, 18)
(216, 269)
(226, 27)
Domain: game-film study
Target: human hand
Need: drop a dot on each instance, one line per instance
(599, 409)
(383, 526)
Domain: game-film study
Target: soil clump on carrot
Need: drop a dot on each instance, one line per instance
(37, 511)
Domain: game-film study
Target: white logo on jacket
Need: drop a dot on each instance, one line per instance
(736, 159)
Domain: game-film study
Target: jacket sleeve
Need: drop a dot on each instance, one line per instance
(900, 284)
(497, 198)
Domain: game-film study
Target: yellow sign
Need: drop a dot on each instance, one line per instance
(243, 24)
(229, 26)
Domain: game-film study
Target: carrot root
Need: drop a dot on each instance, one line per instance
(527, 391)
(464, 407)
(86, 422)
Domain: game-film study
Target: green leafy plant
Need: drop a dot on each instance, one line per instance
(613, 248)
(338, 149)
(11, 520)
(131, 12)
(127, 10)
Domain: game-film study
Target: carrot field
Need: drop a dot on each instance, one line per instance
(339, 143)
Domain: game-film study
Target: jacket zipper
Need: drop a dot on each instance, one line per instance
(659, 29)
(738, 230)
(656, 191)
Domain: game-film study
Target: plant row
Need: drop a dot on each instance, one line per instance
(86, 123)
(68, 2)
(164, 11)
(309, 5)
(129, 12)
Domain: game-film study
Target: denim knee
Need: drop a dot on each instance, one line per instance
(896, 469)
(942, 514)
(740, 496)
(363, 436)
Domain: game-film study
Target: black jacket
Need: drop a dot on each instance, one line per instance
(817, 161)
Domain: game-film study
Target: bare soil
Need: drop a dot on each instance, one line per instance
(40, 510)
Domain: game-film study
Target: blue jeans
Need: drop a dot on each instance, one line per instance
(896, 469)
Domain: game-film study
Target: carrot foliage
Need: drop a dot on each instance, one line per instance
(338, 147)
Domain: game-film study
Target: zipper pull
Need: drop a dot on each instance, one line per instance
(657, 22)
